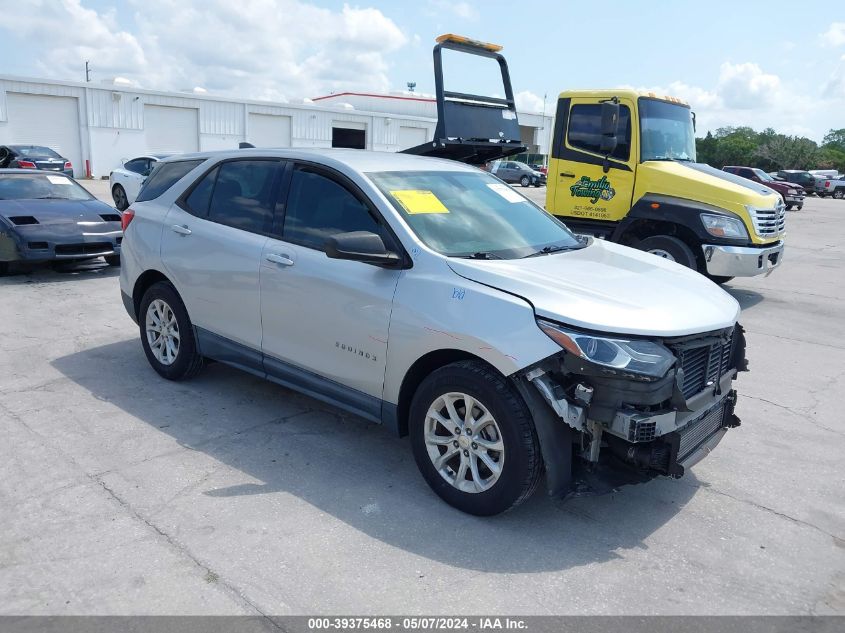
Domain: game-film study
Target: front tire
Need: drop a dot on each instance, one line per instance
(167, 334)
(112, 260)
(670, 248)
(474, 440)
(118, 194)
(839, 194)
(525, 181)
(789, 207)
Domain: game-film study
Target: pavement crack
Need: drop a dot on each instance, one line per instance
(802, 413)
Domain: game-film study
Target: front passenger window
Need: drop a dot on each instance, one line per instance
(319, 207)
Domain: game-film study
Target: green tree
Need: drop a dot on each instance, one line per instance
(789, 152)
(835, 139)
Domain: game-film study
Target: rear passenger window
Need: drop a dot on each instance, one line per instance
(319, 207)
(585, 129)
(198, 202)
(244, 195)
(165, 176)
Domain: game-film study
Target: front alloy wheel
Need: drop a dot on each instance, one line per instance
(464, 442)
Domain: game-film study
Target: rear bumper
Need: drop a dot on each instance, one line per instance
(742, 261)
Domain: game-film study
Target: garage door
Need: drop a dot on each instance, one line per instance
(412, 136)
(50, 121)
(269, 130)
(171, 129)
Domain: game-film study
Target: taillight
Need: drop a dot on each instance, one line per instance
(26, 164)
(127, 217)
(68, 165)
(827, 183)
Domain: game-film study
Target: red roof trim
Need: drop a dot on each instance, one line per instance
(367, 94)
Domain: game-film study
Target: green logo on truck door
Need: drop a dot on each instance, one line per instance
(593, 189)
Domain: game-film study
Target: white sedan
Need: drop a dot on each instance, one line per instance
(125, 182)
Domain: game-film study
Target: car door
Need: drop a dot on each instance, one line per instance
(211, 246)
(582, 187)
(508, 173)
(325, 320)
(132, 176)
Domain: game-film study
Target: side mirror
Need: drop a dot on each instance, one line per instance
(609, 126)
(361, 246)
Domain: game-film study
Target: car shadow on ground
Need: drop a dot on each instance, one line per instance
(747, 298)
(58, 273)
(356, 471)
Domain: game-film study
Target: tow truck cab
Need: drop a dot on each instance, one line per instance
(623, 168)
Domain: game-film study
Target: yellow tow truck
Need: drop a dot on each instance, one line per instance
(622, 167)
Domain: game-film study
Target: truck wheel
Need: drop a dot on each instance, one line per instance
(670, 248)
(167, 335)
(839, 194)
(799, 207)
(789, 207)
(524, 181)
(474, 440)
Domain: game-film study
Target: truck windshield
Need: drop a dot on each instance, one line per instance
(666, 131)
(762, 175)
(466, 214)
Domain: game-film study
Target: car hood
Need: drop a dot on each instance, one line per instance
(57, 211)
(610, 288)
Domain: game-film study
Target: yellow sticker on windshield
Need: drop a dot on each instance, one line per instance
(416, 201)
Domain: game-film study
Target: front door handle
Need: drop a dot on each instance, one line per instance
(283, 260)
(181, 229)
(567, 174)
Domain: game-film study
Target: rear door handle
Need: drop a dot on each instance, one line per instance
(567, 174)
(283, 260)
(181, 229)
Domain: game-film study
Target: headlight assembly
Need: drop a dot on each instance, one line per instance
(792, 192)
(724, 226)
(642, 357)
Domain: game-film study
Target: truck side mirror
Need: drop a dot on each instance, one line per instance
(609, 126)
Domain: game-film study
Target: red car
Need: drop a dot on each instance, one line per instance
(792, 194)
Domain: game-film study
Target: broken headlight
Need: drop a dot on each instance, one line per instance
(626, 355)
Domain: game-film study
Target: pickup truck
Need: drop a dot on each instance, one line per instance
(832, 187)
(792, 194)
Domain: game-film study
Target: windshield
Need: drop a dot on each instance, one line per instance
(40, 186)
(763, 175)
(472, 214)
(35, 150)
(666, 130)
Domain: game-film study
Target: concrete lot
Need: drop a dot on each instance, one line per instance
(124, 493)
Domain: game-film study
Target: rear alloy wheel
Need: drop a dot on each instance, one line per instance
(473, 439)
(670, 248)
(167, 334)
(118, 194)
(525, 181)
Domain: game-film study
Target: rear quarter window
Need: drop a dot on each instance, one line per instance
(164, 176)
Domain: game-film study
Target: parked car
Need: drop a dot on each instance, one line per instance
(834, 187)
(51, 217)
(792, 194)
(799, 177)
(125, 182)
(543, 169)
(34, 157)
(512, 171)
(426, 295)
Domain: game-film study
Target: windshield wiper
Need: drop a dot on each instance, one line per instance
(50, 198)
(480, 255)
(555, 248)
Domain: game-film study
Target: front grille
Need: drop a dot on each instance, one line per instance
(769, 222)
(92, 248)
(703, 364)
(694, 433)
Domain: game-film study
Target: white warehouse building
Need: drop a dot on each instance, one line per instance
(98, 126)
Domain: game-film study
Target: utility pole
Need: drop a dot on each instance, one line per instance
(87, 72)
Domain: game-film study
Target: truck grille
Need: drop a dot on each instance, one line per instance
(695, 432)
(770, 222)
(703, 364)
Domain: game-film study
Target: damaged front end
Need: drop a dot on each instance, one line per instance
(615, 410)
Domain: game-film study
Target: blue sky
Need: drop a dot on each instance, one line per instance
(737, 63)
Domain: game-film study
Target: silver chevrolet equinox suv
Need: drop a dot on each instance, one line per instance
(429, 296)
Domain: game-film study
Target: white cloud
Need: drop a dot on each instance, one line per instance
(746, 86)
(463, 10)
(835, 34)
(835, 86)
(265, 49)
(527, 101)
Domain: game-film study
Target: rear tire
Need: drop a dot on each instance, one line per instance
(118, 194)
(497, 464)
(670, 248)
(525, 181)
(167, 334)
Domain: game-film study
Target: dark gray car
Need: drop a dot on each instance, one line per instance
(512, 171)
(34, 157)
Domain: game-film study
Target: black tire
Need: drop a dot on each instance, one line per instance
(799, 207)
(719, 280)
(112, 260)
(4, 269)
(188, 361)
(522, 462)
(676, 249)
(789, 207)
(118, 194)
(525, 181)
(839, 193)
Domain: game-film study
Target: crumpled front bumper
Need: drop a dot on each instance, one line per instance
(49, 242)
(742, 261)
